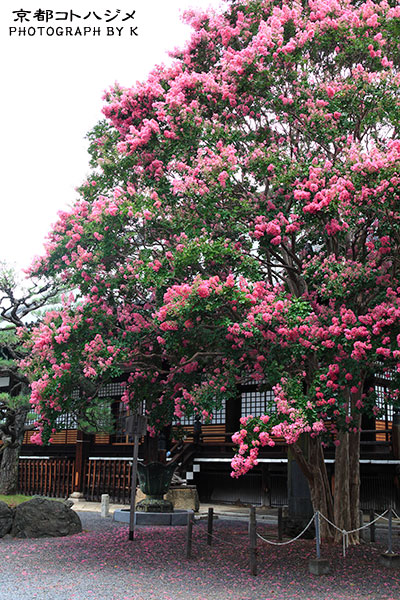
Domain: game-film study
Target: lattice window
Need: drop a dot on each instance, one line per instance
(115, 389)
(219, 417)
(255, 402)
(381, 401)
(112, 389)
(66, 421)
(121, 412)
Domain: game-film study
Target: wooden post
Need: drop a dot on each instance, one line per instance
(82, 448)
(189, 534)
(280, 523)
(361, 525)
(210, 525)
(317, 535)
(396, 434)
(253, 541)
(390, 532)
(136, 426)
(372, 526)
(233, 412)
(133, 489)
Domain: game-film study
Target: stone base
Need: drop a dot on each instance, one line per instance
(177, 517)
(318, 566)
(184, 497)
(392, 561)
(76, 497)
(154, 505)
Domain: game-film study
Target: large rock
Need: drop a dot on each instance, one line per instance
(41, 517)
(6, 518)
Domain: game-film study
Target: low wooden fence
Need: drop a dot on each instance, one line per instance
(46, 476)
(108, 476)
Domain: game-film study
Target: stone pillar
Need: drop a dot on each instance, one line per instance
(105, 505)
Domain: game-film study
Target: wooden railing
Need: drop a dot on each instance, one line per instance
(56, 476)
(46, 476)
(108, 476)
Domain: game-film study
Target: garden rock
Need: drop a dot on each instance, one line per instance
(6, 519)
(66, 501)
(41, 517)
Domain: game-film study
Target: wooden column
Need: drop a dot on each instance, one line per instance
(150, 448)
(82, 451)
(396, 435)
(233, 412)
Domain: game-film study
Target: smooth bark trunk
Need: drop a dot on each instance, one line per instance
(347, 485)
(314, 468)
(342, 507)
(347, 474)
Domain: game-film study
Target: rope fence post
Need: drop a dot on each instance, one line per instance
(372, 526)
(318, 566)
(131, 535)
(361, 525)
(317, 535)
(189, 535)
(210, 520)
(253, 540)
(280, 523)
(389, 558)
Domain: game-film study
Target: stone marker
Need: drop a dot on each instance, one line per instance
(105, 505)
(41, 517)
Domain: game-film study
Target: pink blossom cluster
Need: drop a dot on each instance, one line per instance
(243, 218)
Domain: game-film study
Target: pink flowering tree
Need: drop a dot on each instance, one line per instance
(242, 218)
(20, 304)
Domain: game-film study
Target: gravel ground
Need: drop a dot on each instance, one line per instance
(101, 564)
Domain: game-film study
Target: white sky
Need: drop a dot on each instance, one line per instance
(51, 96)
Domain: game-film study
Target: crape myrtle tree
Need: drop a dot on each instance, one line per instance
(242, 220)
(18, 306)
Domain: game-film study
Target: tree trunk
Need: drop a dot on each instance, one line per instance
(347, 485)
(12, 438)
(343, 508)
(347, 476)
(9, 470)
(314, 468)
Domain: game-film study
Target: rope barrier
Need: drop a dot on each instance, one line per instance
(370, 523)
(290, 541)
(345, 534)
(330, 522)
(396, 516)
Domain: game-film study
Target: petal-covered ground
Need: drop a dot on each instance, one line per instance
(101, 564)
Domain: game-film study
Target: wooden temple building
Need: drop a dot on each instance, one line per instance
(101, 463)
